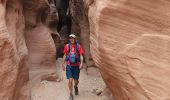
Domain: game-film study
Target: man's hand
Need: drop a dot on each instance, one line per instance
(81, 66)
(81, 62)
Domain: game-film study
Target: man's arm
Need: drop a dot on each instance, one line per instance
(81, 61)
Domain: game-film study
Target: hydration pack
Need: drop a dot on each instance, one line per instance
(73, 57)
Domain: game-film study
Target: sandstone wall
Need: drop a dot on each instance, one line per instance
(41, 47)
(13, 52)
(25, 43)
(38, 36)
(130, 43)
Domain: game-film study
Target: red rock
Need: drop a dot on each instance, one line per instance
(50, 77)
(15, 43)
(13, 53)
(130, 45)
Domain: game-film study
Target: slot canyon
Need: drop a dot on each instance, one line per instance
(126, 49)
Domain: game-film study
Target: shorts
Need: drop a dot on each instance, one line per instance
(72, 72)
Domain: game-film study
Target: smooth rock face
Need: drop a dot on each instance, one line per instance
(13, 52)
(16, 56)
(42, 53)
(130, 43)
(41, 47)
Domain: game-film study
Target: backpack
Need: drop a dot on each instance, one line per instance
(73, 57)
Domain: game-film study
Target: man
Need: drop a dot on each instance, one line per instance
(73, 63)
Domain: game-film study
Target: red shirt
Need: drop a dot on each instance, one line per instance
(72, 49)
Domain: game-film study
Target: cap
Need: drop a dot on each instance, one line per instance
(72, 35)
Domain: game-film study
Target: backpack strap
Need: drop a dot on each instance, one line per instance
(76, 51)
(77, 48)
(68, 48)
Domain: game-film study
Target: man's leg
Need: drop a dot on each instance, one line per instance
(76, 82)
(70, 85)
(76, 73)
(70, 80)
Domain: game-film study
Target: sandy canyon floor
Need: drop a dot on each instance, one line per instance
(91, 83)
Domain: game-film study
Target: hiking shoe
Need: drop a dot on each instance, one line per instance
(76, 90)
(71, 97)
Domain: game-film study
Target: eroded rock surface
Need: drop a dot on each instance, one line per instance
(16, 18)
(13, 52)
(130, 43)
(41, 48)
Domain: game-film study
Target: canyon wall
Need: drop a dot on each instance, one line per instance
(130, 44)
(25, 44)
(13, 52)
(39, 41)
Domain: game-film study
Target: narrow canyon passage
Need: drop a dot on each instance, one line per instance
(126, 44)
(92, 86)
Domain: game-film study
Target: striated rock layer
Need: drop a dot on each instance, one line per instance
(25, 43)
(41, 47)
(13, 52)
(130, 43)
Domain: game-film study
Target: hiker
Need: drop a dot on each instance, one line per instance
(73, 63)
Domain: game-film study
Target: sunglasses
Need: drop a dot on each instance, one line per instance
(71, 38)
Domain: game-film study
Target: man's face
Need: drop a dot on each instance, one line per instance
(72, 40)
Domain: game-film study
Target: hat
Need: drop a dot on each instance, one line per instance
(72, 35)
